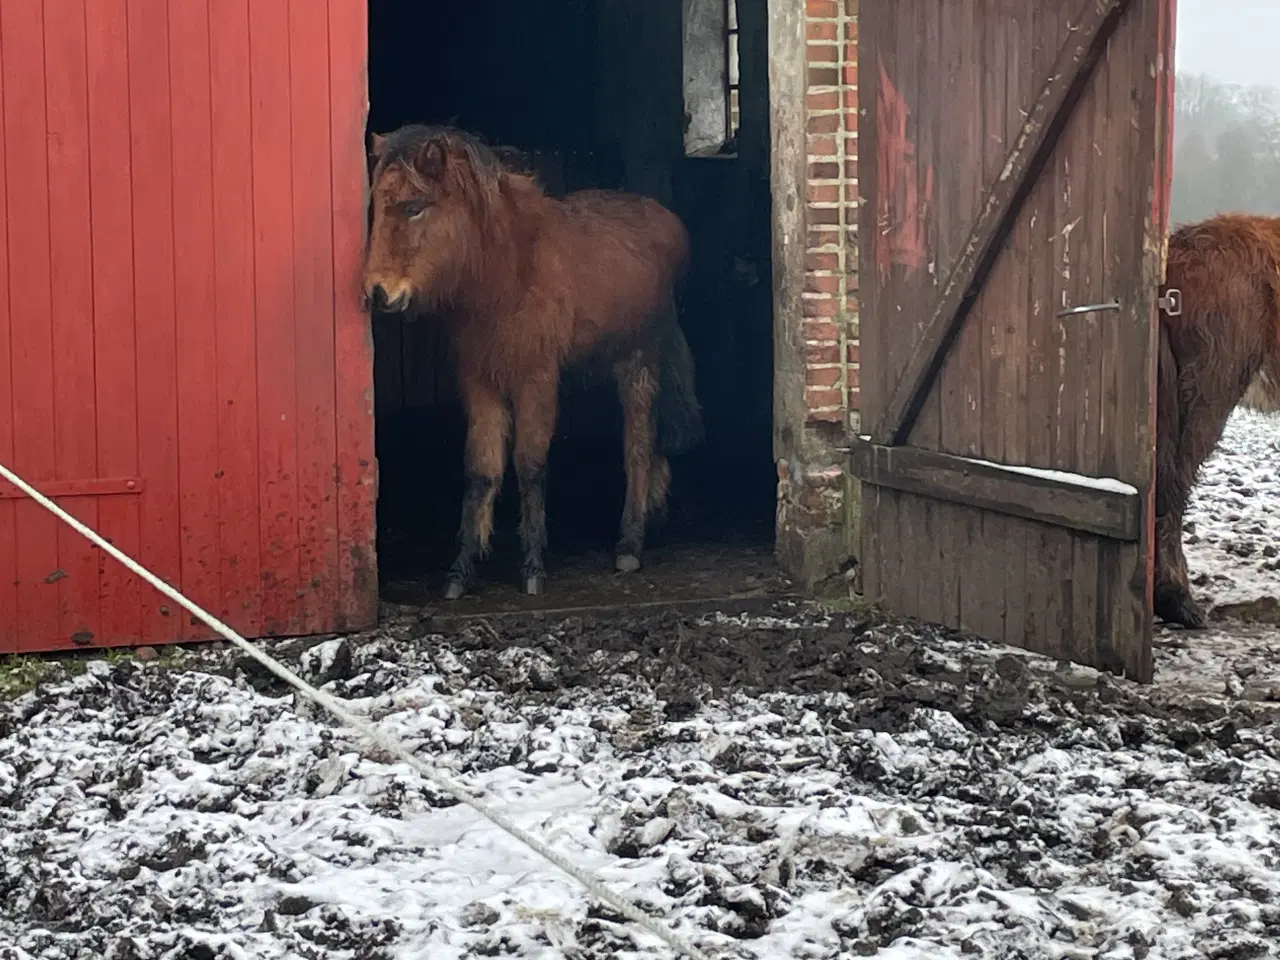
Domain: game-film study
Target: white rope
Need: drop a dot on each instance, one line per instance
(388, 743)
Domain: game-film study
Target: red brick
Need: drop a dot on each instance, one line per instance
(824, 171)
(849, 74)
(850, 192)
(854, 378)
(822, 353)
(851, 55)
(822, 9)
(851, 168)
(823, 331)
(825, 100)
(823, 376)
(822, 237)
(824, 214)
(823, 31)
(819, 308)
(823, 192)
(849, 99)
(851, 304)
(824, 397)
(851, 121)
(851, 31)
(823, 53)
(851, 282)
(822, 261)
(855, 398)
(824, 123)
(851, 8)
(853, 352)
(822, 284)
(824, 77)
(822, 146)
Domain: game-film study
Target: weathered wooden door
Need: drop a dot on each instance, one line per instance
(1014, 167)
(184, 361)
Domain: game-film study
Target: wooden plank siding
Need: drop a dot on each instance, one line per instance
(949, 86)
(186, 364)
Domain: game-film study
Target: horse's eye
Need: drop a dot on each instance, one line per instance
(414, 208)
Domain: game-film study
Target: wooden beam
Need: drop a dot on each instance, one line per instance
(1087, 39)
(1088, 504)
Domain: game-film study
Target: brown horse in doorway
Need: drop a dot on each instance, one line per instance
(528, 286)
(1223, 348)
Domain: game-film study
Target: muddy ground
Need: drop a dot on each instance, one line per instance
(784, 784)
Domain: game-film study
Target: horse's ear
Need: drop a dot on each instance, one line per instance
(377, 143)
(430, 160)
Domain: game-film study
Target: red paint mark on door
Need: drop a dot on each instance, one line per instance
(900, 206)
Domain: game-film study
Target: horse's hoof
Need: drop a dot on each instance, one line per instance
(535, 586)
(627, 563)
(455, 590)
(1183, 611)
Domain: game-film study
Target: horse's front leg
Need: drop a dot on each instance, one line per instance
(488, 428)
(536, 404)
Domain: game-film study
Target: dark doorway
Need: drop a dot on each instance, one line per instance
(591, 91)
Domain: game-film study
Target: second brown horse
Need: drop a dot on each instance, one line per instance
(528, 285)
(1222, 347)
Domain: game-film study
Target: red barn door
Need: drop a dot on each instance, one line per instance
(184, 361)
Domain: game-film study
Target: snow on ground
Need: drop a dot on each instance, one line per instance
(794, 785)
(1232, 534)
(786, 787)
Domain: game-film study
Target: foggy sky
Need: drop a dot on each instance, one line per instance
(1233, 40)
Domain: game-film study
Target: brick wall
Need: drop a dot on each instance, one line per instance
(818, 504)
(830, 322)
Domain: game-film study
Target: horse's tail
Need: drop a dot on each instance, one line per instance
(677, 412)
(1264, 393)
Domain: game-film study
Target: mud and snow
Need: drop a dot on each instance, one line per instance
(789, 784)
(1232, 534)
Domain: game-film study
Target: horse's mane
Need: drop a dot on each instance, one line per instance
(403, 145)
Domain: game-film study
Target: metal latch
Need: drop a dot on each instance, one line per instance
(1171, 302)
(1090, 308)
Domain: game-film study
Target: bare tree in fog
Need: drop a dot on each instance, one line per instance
(1226, 148)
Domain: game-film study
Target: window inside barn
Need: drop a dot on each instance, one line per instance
(711, 99)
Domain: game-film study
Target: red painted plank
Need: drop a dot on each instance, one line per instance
(154, 301)
(116, 384)
(313, 303)
(273, 172)
(193, 260)
(357, 469)
(8, 535)
(71, 258)
(237, 437)
(31, 343)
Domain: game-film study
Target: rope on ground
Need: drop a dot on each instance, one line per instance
(372, 734)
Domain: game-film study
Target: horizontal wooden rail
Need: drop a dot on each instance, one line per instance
(1094, 505)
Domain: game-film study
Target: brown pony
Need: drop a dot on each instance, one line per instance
(1223, 348)
(529, 285)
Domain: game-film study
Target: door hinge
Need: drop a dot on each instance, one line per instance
(1171, 302)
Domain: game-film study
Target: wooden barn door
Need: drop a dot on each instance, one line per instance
(184, 362)
(1014, 171)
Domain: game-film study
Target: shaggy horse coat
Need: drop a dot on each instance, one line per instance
(1224, 346)
(529, 285)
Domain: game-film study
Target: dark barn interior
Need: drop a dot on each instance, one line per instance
(594, 93)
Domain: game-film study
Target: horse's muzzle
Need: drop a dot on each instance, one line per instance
(378, 299)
